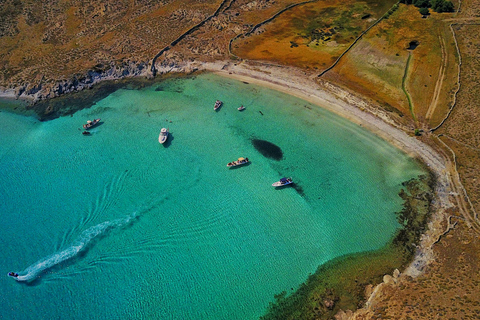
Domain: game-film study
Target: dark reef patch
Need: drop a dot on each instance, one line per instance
(170, 86)
(299, 189)
(69, 103)
(268, 149)
(339, 284)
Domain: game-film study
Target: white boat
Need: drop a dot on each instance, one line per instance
(163, 136)
(91, 124)
(282, 182)
(218, 104)
(239, 162)
(241, 108)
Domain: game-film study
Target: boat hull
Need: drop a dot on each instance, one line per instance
(218, 104)
(162, 138)
(282, 183)
(92, 124)
(238, 163)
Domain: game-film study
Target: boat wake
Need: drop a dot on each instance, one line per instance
(79, 245)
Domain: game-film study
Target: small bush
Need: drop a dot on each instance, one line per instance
(424, 11)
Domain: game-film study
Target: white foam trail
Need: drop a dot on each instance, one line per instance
(78, 245)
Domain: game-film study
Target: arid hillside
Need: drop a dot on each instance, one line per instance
(54, 40)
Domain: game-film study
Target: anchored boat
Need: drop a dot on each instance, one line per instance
(90, 124)
(239, 162)
(163, 135)
(218, 104)
(282, 182)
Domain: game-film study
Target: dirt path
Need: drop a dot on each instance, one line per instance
(460, 194)
(404, 87)
(439, 83)
(222, 7)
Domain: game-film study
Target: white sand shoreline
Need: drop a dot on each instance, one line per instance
(297, 83)
(289, 80)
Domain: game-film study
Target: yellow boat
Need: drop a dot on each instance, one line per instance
(239, 162)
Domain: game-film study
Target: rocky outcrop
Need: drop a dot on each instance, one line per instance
(43, 91)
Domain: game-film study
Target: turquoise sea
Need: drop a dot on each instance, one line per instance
(115, 225)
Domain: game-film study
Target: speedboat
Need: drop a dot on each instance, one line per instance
(239, 162)
(282, 182)
(163, 136)
(13, 274)
(241, 108)
(90, 124)
(218, 104)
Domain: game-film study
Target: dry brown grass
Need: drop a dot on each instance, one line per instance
(375, 66)
(450, 289)
(68, 39)
(468, 8)
(462, 127)
(297, 37)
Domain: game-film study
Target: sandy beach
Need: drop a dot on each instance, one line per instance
(334, 99)
(355, 109)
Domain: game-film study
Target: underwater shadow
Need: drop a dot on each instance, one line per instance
(169, 141)
(268, 149)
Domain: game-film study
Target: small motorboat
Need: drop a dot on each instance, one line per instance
(13, 274)
(85, 133)
(241, 108)
(163, 135)
(90, 124)
(282, 182)
(239, 162)
(218, 104)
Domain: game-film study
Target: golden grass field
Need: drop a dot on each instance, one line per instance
(310, 36)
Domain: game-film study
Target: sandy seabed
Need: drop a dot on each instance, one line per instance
(347, 105)
(328, 96)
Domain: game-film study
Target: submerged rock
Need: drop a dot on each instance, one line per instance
(268, 149)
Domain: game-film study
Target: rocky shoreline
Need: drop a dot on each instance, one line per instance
(295, 82)
(34, 93)
(41, 97)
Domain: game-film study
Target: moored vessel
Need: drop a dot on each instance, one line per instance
(282, 182)
(90, 124)
(218, 104)
(239, 162)
(163, 135)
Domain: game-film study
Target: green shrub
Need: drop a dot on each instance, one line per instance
(424, 12)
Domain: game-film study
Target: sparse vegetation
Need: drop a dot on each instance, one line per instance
(424, 11)
(436, 5)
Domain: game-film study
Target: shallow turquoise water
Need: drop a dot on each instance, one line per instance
(115, 225)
